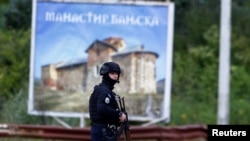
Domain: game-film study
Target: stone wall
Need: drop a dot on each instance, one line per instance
(138, 73)
(72, 78)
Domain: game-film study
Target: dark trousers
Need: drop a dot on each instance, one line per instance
(102, 133)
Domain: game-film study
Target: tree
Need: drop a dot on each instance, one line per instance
(14, 61)
(18, 15)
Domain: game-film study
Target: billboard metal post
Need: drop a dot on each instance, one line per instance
(169, 61)
(224, 63)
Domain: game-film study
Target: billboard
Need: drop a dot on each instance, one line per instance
(71, 40)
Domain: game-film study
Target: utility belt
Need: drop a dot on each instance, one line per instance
(109, 131)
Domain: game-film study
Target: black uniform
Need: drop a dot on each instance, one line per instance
(103, 105)
(103, 108)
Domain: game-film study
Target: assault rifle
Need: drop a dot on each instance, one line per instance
(124, 128)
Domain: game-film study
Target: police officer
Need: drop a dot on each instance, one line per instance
(105, 114)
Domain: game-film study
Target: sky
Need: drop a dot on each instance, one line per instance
(63, 31)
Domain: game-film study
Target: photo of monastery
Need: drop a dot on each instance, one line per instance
(72, 81)
(138, 68)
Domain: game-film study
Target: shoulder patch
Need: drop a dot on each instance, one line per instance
(107, 100)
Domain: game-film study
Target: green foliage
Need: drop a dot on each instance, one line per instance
(240, 82)
(196, 65)
(194, 82)
(239, 110)
(14, 61)
(240, 51)
(15, 110)
(192, 19)
(188, 110)
(194, 71)
(4, 2)
(18, 15)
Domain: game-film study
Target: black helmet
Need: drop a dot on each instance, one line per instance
(110, 67)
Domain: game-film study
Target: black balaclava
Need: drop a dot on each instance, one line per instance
(109, 80)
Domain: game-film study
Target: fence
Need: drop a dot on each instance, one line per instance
(152, 133)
